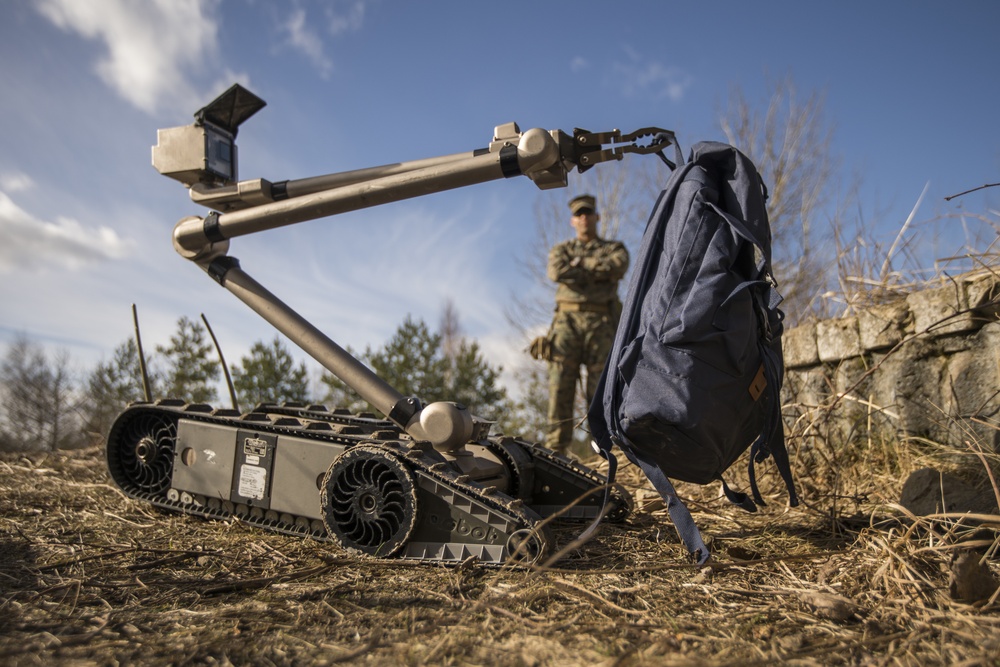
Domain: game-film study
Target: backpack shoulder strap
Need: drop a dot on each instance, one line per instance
(679, 513)
(772, 440)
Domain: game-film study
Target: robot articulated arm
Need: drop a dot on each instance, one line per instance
(203, 156)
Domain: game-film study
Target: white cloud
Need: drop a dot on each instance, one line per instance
(350, 20)
(639, 76)
(30, 243)
(578, 64)
(150, 45)
(306, 40)
(15, 182)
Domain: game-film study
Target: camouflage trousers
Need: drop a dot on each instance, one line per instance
(579, 339)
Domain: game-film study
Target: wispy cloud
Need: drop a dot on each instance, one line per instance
(349, 20)
(30, 243)
(578, 64)
(150, 46)
(303, 38)
(15, 182)
(306, 35)
(639, 76)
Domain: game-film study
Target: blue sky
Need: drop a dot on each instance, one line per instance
(85, 222)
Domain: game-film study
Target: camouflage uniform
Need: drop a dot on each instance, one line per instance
(583, 329)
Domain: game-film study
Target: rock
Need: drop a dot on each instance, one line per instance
(883, 325)
(969, 577)
(941, 310)
(648, 501)
(829, 606)
(983, 294)
(838, 339)
(798, 345)
(129, 630)
(928, 491)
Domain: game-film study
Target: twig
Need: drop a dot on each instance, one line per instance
(520, 618)
(262, 582)
(134, 523)
(82, 559)
(981, 187)
(712, 564)
(565, 585)
(169, 560)
(372, 643)
(974, 446)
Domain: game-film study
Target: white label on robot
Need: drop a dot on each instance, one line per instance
(252, 482)
(255, 447)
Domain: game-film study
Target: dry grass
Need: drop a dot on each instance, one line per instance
(870, 273)
(90, 577)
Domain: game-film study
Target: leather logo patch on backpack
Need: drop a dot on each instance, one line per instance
(759, 384)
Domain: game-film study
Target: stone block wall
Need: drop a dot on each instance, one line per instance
(924, 366)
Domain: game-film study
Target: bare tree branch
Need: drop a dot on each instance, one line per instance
(790, 144)
(981, 187)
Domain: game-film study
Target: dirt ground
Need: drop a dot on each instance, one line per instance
(88, 576)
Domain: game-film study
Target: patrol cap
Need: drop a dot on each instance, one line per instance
(583, 202)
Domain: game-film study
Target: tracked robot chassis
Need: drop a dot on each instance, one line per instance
(356, 480)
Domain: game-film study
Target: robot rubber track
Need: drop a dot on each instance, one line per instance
(356, 480)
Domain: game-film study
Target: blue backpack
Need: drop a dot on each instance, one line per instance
(694, 376)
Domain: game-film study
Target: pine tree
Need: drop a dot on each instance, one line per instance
(412, 362)
(475, 383)
(111, 386)
(269, 375)
(191, 370)
(417, 363)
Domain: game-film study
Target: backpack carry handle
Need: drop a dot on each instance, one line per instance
(663, 138)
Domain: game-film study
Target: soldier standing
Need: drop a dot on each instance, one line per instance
(587, 270)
